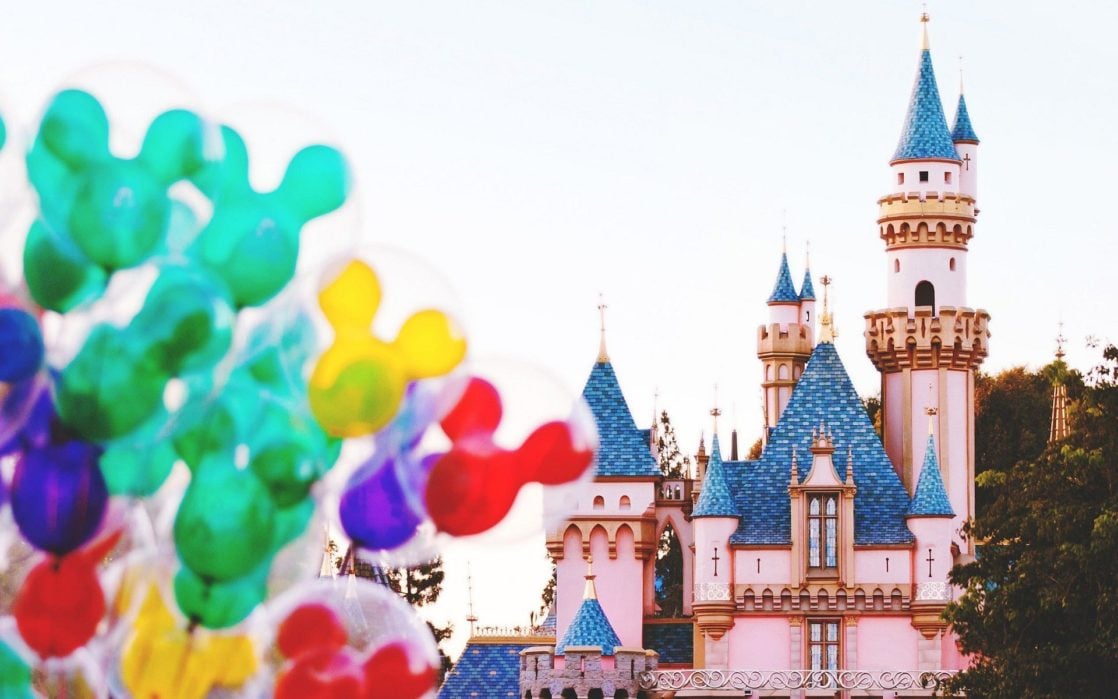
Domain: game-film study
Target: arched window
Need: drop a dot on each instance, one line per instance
(569, 693)
(595, 694)
(669, 575)
(822, 531)
(599, 502)
(621, 694)
(624, 503)
(951, 264)
(925, 294)
(545, 693)
(897, 265)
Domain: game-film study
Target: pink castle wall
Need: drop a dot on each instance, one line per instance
(887, 643)
(760, 643)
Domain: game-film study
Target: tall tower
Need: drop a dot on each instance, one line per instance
(785, 343)
(927, 343)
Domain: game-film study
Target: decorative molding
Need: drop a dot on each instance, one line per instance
(712, 592)
(932, 592)
(896, 680)
(952, 338)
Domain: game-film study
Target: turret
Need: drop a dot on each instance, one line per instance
(930, 520)
(715, 519)
(784, 345)
(966, 145)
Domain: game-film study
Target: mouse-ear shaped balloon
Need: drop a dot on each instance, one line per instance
(74, 132)
(58, 275)
(316, 182)
(21, 345)
(174, 146)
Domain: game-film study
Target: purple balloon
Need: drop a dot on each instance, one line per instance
(59, 496)
(378, 510)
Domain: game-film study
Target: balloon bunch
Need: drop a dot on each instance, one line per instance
(186, 386)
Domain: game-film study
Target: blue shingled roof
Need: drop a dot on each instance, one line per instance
(823, 394)
(807, 290)
(784, 291)
(485, 670)
(715, 499)
(963, 130)
(925, 133)
(621, 449)
(930, 498)
(590, 627)
(674, 642)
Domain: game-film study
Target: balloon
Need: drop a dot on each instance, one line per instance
(59, 605)
(59, 496)
(310, 627)
(15, 675)
(223, 529)
(395, 661)
(252, 240)
(21, 345)
(56, 272)
(220, 605)
(376, 510)
(359, 381)
(325, 674)
(137, 465)
(162, 659)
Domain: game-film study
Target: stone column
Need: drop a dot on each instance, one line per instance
(796, 650)
(929, 653)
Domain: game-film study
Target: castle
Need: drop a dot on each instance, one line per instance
(821, 567)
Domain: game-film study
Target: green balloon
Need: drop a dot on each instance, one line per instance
(111, 387)
(252, 247)
(3, 133)
(74, 130)
(187, 319)
(277, 353)
(15, 675)
(224, 525)
(120, 214)
(291, 522)
(316, 182)
(220, 605)
(58, 275)
(289, 451)
(175, 146)
(137, 465)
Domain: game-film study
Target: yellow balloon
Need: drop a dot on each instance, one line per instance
(358, 383)
(164, 661)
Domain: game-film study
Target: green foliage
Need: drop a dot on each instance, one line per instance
(673, 464)
(547, 597)
(1038, 615)
(669, 575)
(872, 404)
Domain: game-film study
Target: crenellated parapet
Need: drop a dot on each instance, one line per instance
(784, 340)
(955, 338)
(943, 219)
(583, 670)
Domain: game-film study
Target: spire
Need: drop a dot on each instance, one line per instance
(827, 331)
(327, 569)
(963, 132)
(925, 133)
(1058, 429)
(807, 290)
(784, 291)
(622, 448)
(930, 497)
(590, 627)
(472, 618)
(603, 357)
(734, 444)
(715, 412)
(654, 431)
(715, 499)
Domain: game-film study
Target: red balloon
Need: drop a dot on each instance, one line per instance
(478, 412)
(309, 629)
(327, 674)
(469, 494)
(59, 605)
(388, 675)
(550, 455)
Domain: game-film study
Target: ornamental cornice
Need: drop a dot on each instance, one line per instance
(955, 338)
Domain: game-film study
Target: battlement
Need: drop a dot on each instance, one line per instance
(584, 671)
(941, 219)
(955, 338)
(778, 339)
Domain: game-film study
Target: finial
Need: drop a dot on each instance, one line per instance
(590, 592)
(715, 411)
(471, 619)
(784, 231)
(931, 412)
(807, 254)
(827, 331)
(602, 356)
(849, 464)
(1060, 340)
(924, 18)
(960, 75)
(793, 476)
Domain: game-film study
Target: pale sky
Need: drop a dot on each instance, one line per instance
(540, 153)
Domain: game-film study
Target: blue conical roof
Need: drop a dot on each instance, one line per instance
(715, 499)
(590, 627)
(925, 133)
(807, 290)
(785, 290)
(963, 130)
(622, 450)
(930, 498)
(825, 394)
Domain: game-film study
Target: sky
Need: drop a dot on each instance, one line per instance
(531, 155)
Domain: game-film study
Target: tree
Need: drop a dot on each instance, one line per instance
(673, 464)
(1038, 613)
(547, 597)
(872, 404)
(756, 449)
(669, 574)
(1013, 412)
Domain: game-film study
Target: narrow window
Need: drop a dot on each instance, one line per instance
(947, 177)
(897, 266)
(923, 175)
(951, 264)
(624, 504)
(900, 178)
(599, 502)
(925, 294)
(822, 532)
(823, 646)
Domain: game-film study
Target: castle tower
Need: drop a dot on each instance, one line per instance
(927, 343)
(784, 344)
(715, 519)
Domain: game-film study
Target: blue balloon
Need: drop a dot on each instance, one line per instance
(379, 511)
(23, 427)
(59, 496)
(21, 345)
